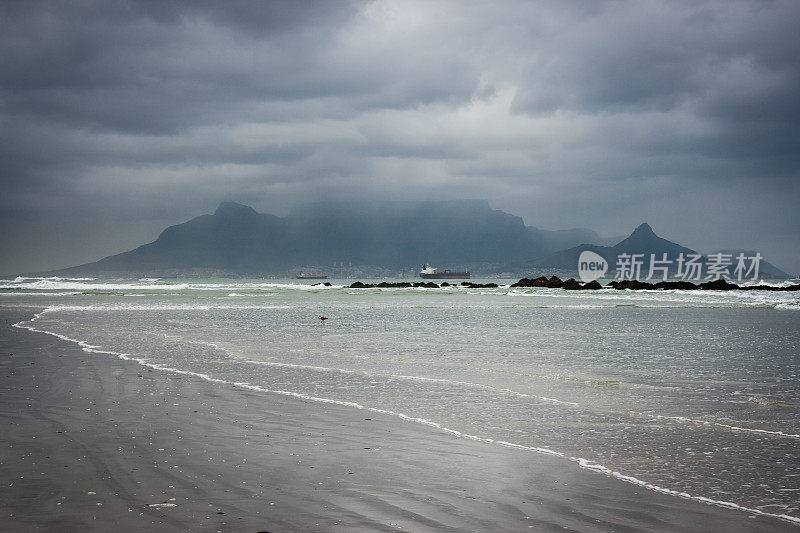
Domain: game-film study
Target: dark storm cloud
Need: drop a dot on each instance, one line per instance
(153, 68)
(732, 65)
(118, 118)
(159, 70)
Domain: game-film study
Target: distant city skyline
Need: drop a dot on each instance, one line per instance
(122, 118)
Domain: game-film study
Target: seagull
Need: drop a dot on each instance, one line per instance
(323, 318)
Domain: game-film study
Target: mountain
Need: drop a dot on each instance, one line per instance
(644, 241)
(236, 239)
(370, 239)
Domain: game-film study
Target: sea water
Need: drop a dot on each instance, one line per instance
(694, 393)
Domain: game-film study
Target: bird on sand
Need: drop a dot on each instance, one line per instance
(323, 318)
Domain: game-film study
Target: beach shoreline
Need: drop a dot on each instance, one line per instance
(93, 442)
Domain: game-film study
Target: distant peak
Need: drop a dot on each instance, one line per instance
(232, 208)
(643, 230)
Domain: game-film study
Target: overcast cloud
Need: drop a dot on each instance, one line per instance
(120, 118)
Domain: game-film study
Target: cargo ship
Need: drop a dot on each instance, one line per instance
(432, 273)
(312, 275)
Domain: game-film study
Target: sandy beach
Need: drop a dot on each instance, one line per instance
(94, 443)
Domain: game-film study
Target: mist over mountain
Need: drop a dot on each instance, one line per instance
(380, 235)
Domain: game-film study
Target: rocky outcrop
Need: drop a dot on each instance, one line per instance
(632, 284)
(717, 285)
(394, 285)
(572, 284)
(636, 285)
(555, 283)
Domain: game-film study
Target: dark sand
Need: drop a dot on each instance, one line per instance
(91, 442)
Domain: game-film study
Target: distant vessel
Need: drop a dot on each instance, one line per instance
(311, 275)
(431, 273)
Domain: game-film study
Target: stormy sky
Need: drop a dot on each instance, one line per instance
(120, 118)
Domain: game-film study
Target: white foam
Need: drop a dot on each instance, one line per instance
(411, 378)
(147, 284)
(161, 307)
(679, 419)
(752, 283)
(22, 279)
(683, 419)
(85, 346)
(590, 465)
(161, 505)
(487, 387)
(56, 294)
(668, 298)
(58, 284)
(402, 416)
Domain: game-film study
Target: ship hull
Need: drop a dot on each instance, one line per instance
(445, 275)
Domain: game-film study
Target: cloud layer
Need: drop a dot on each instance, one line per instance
(119, 118)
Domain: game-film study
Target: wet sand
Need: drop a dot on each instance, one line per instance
(93, 443)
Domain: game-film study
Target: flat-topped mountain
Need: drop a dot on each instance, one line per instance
(392, 235)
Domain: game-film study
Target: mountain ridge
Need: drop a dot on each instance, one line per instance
(358, 238)
(643, 240)
(236, 239)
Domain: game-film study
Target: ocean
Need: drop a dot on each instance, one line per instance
(695, 394)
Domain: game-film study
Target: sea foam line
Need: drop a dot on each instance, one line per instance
(582, 462)
(684, 419)
(412, 378)
(396, 376)
(678, 419)
(170, 307)
(590, 465)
